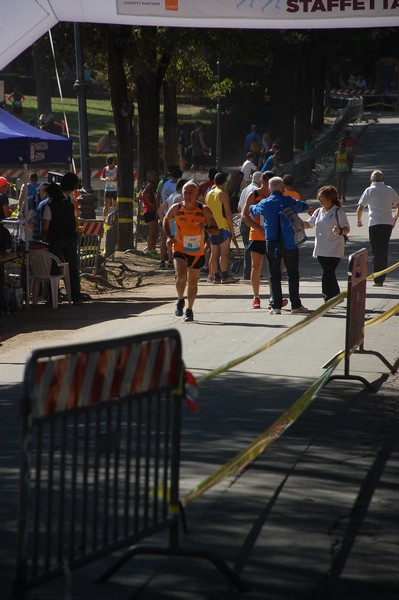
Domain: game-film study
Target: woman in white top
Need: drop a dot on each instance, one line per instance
(331, 226)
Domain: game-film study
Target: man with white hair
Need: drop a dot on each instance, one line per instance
(270, 209)
(379, 198)
(191, 219)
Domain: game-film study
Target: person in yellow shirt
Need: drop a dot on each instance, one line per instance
(218, 201)
(342, 168)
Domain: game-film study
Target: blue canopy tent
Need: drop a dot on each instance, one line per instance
(23, 144)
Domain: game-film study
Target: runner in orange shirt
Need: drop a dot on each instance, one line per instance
(191, 220)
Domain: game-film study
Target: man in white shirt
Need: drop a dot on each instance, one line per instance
(379, 198)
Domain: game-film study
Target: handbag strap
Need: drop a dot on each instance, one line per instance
(336, 216)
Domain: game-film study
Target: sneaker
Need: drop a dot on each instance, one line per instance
(285, 302)
(256, 303)
(170, 264)
(274, 311)
(210, 279)
(162, 265)
(300, 311)
(179, 308)
(375, 284)
(230, 279)
(151, 253)
(189, 316)
(216, 280)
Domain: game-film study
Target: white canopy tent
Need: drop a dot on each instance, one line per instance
(24, 22)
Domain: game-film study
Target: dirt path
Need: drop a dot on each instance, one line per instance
(131, 276)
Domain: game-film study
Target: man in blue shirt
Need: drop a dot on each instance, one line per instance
(270, 209)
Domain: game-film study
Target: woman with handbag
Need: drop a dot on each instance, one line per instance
(331, 229)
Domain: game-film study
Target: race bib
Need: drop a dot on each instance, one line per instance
(192, 243)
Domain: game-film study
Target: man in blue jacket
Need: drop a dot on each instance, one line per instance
(270, 209)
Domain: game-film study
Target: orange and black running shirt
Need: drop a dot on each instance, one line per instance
(189, 237)
(255, 234)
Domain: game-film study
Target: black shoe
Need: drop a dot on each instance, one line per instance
(78, 302)
(189, 316)
(179, 308)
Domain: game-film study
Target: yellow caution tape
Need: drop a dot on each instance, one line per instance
(125, 220)
(381, 318)
(384, 272)
(265, 439)
(314, 315)
(125, 200)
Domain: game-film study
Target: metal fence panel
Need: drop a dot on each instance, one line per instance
(99, 453)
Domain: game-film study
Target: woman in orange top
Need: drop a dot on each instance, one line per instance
(257, 245)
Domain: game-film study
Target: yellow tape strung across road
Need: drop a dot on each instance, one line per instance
(125, 220)
(125, 200)
(384, 272)
(265, 439)
(381, 318)
(314, 315)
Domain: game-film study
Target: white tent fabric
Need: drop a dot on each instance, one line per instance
(24, 21)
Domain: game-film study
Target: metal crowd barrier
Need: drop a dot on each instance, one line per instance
(89, 246)
(100, 452)
(100, 455)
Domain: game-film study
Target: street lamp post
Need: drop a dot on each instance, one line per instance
(218, 125)
(80, 87)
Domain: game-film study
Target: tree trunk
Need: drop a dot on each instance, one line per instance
(42, 68)
(283, 100)
(170, 122)
(148, 126)
(303, 97)
(319, 80)
(122, 107)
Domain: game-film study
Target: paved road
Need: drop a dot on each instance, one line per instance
(315, 517)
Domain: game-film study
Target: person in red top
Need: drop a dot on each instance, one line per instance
(191, 220)
(350, 142)
(150, 205)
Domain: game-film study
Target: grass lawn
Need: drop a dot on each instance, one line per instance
(100, 119)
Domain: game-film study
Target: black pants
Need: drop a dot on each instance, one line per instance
(247, 254)
(329, 283)
(291, 260)
(379, 236)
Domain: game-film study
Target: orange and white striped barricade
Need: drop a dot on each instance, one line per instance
(90, 239)
(100, 457)
(99, 452)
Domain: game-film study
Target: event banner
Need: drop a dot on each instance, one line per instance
(279, 11)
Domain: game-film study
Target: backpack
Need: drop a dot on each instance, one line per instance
(291, 228)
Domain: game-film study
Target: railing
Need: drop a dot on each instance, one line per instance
(100, 455)
(302, 165)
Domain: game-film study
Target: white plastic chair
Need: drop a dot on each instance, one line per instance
(40, 262)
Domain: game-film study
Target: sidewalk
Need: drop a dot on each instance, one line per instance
(315, 518)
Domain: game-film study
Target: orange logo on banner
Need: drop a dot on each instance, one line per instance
(171, 4)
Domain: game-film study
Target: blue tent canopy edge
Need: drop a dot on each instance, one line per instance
(21, 143)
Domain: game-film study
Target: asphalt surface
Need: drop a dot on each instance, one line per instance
(315, 517)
